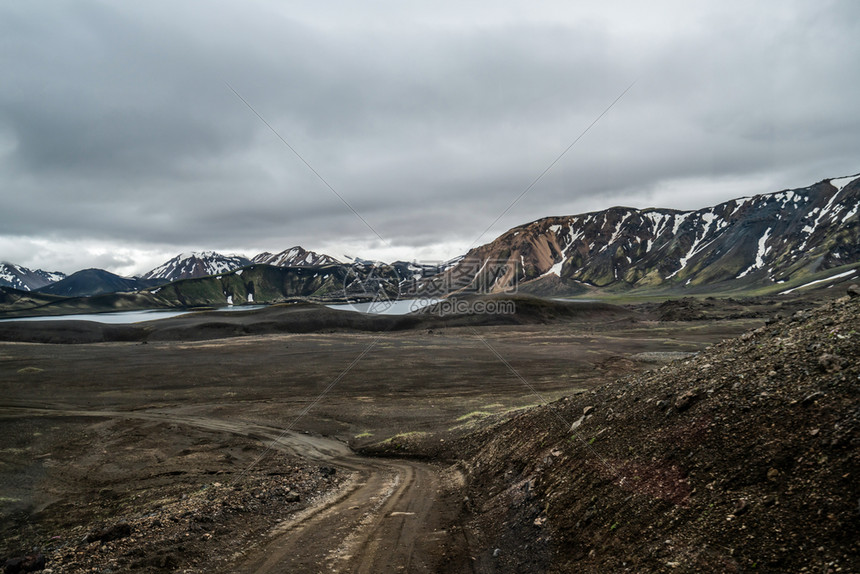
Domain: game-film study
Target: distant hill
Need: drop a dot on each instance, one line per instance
(748, 243)
(95, 282)
(18, 277)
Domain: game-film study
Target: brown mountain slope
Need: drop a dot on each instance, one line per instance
(743, 459)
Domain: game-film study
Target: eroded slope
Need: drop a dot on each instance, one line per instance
(744, 458)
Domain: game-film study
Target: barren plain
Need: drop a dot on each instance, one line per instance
(304, 452)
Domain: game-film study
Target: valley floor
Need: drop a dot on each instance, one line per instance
(256, 454)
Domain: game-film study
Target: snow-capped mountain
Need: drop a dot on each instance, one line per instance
(197, 264)
(18, 277)
(757, 240)
(294, 257)
(201, 264)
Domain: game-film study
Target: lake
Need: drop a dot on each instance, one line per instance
(401, 307)
(128, 317)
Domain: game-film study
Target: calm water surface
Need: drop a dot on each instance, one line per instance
(128, 317)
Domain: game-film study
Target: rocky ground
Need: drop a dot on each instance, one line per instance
(167, 498)
(744, 458)
(729, 308)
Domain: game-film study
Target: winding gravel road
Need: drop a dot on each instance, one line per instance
(386, 518)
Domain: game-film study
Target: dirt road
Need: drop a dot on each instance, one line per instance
(386, 518)
(380, 524)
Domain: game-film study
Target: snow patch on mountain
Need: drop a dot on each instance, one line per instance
(841, 182)
(831, 278)
(555, 269)
(707, 218)
(763, 250)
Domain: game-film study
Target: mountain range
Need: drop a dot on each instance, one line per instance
(788, 238)
(184, 266)
(194, 265)
(745, 243)
(295, 257)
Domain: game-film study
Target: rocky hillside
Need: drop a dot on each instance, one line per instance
(24, 279)
(769, 239)
(742, 459)
(14, 300)
(253, 284)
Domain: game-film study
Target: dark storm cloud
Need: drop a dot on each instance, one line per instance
(117, 126)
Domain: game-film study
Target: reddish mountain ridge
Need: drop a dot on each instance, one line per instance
(759, 240)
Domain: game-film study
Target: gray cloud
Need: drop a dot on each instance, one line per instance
(118, 129)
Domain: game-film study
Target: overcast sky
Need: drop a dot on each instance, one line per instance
(122, 143)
